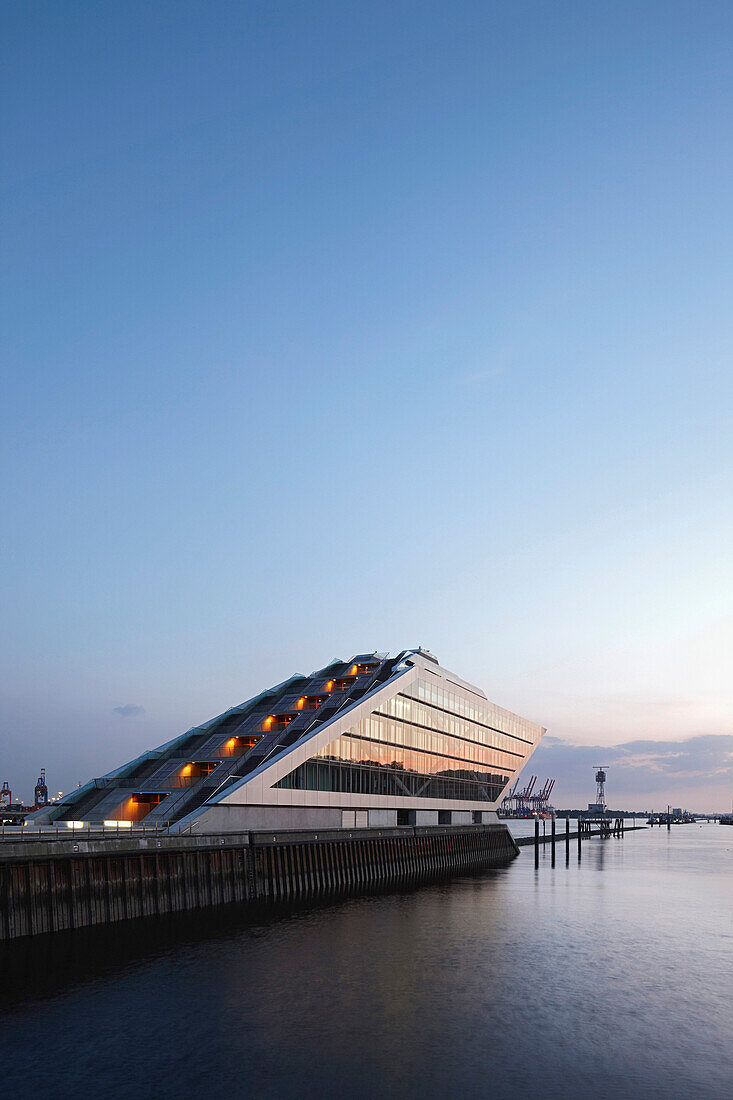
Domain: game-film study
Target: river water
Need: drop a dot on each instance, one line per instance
(605, 978)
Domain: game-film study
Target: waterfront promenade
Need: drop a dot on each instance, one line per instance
(54, 880)
(57, 882)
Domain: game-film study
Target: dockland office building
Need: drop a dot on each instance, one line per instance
(373, 741)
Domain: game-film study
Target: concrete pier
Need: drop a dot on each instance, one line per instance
(51, 885)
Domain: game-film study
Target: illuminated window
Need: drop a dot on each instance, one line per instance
(198, 769)
(237, 746)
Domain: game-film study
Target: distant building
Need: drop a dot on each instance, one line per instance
(375, 740)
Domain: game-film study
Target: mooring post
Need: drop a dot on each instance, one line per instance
(567, 840)
(536, 842)
(553, 841)
(580, 835)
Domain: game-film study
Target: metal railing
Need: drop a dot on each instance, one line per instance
(76, 830)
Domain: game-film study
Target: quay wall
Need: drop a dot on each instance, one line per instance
(52, 885)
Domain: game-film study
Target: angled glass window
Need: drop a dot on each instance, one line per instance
(426, 743)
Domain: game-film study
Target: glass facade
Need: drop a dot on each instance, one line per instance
(425, 742)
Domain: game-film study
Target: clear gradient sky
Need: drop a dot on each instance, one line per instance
(334, 327)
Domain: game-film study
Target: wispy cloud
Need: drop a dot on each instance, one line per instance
(696, 771)
(472, 378)
(129, 710)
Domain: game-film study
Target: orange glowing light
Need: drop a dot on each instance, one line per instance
(268, 721)
(301, 702)
(329, 685)
(186, 770)
(352, 670)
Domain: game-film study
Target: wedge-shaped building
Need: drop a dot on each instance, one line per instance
(376, 740)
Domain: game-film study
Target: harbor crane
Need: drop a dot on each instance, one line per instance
(528, 802)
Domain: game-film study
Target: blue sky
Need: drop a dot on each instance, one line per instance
(331, 327)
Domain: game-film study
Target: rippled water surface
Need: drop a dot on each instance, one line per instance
(608, 978)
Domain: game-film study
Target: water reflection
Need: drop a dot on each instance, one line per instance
(551, 981)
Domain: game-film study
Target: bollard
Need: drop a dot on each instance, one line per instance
(553, 841)
(567, 840)
(580, 836)
(536, 842)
